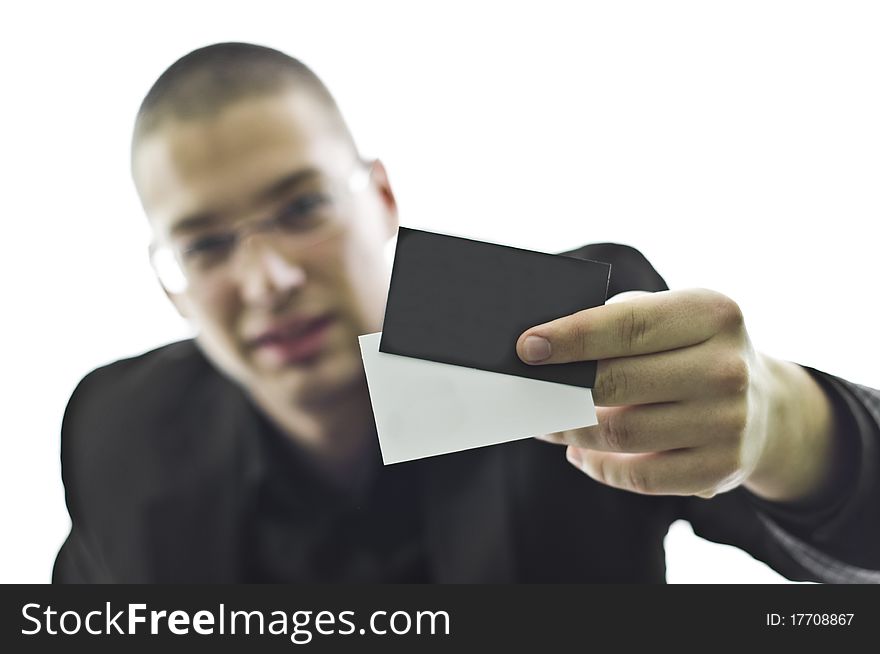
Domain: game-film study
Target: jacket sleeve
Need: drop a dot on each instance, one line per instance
(833, 539)
(836, 537)
(80, 559)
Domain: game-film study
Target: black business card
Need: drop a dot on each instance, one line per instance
(466, 302)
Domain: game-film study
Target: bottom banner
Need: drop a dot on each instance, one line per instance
(431, 618)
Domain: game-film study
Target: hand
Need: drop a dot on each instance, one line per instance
(685, 405)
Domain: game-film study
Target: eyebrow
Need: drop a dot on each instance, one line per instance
(278, 188)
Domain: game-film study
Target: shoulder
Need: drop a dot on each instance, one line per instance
(152, 379)
(630, 270)
(132, 420)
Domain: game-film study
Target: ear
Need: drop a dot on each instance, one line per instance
(386, 196)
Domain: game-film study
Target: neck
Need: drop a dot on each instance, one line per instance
(337, 432)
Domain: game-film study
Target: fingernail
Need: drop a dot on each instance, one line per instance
(536, 349)
(574, 456)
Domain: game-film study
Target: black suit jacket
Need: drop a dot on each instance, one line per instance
(160, 470)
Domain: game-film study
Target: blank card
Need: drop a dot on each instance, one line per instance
(423, 408)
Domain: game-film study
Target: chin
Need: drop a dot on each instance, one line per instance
(323, 379)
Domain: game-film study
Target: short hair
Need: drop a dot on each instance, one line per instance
(208, 79)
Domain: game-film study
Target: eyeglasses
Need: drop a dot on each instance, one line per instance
(312, 212)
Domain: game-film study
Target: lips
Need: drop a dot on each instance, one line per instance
(293, 340)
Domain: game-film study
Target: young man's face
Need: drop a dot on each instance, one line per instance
(278, 305)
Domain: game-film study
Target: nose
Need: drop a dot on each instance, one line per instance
(267, 277)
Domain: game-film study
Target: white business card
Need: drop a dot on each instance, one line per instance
(424, 408)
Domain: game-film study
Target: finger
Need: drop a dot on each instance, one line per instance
(657, 428)
(644, 324)
(678, 472)
(556, 438)
(709, 369)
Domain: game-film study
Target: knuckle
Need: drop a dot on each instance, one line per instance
(737, 418)
(612, 385)
(637, 480)
(732, 374)
(729, 469)
(632, 329)
(721, 470)
(616, 432)
(731, 465)
(580, 337)
(728, 314)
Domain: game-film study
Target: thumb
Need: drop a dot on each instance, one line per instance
(625, 295)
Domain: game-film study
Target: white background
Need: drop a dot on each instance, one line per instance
(737, 144)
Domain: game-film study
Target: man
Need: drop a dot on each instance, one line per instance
(250, 454)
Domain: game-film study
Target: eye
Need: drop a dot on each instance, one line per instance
(304, 211)
(210, 248)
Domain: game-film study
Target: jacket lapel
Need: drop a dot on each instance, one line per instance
(195, 523)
